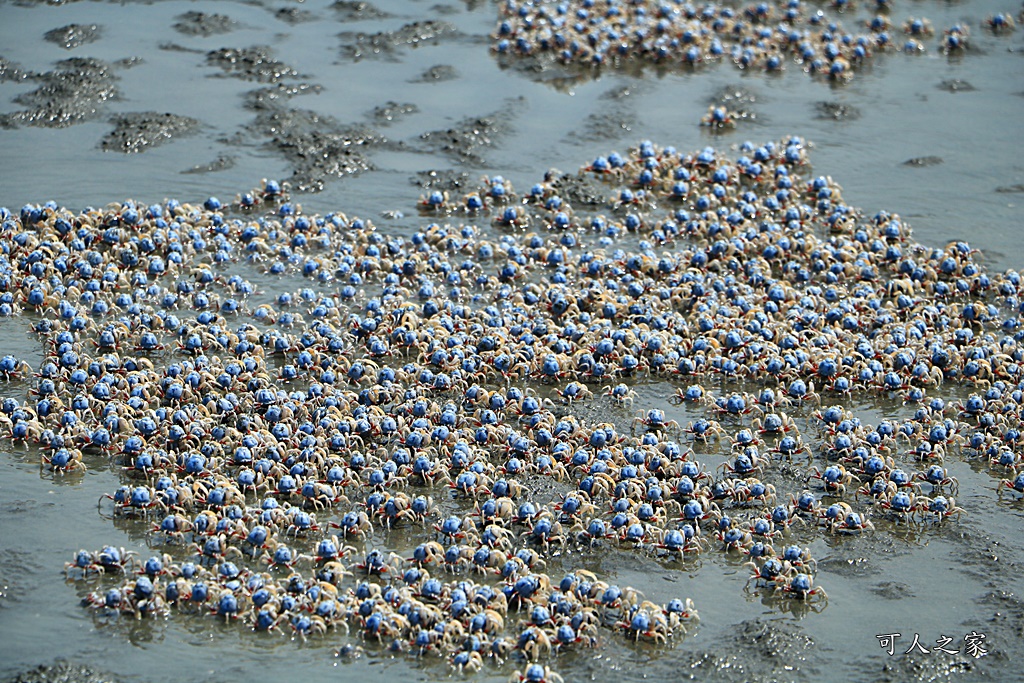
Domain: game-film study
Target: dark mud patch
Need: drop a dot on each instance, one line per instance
(987, 559)
(392, 111)
(956, 85)
(202, 24)
(221, 163)
(274, 96)
(445, 181)
(21, 507)
(73, 92)
(355, 10)
(580, 189)
(922, 162)
(892, 590)
(1009, 613)
(175, 47)
(294, 15)
(317, 147)
(138, 131)
(923, 668)
(849, 567)
(613, 120)
(251, 64)
(543, 68)
(735, 98)
(437, 74)
(467, 141)
(387, 43)
(836, 111)
(601, 126)
(63, 672)
(73, 35)
(756, 650)
(620, 93)
(19, 574)
(11, 72)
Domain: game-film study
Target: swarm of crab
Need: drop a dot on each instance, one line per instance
(268, 445)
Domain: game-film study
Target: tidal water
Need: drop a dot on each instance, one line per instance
(935, 138)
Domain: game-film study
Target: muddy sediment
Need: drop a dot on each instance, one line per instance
(203, 25)
(138, 131)
(273, 97)
(386, 43)
(836, 111)
(438, 74)
(317, 147)
(921, 162)
(580, 189)
(443, 180)
(294, 15)
(755, 651)
(221, 163)
(64, 672)
(955, 85)
(467, 141)
(75, 91)
(9, 71)
(392, 111)
(251, 64)
(357, 10)
(74, 35)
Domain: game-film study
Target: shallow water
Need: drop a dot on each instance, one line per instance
(951, 581)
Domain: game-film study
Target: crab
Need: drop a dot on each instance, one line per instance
(376, 563)
(535, 673)
(647, 621)
(801, 586)
(834, 479)
(354, 524)
(878, 489)
(852, 523)
(800, 558)
(498, 511)
(679, 542)
(833, 515)
(573, 506)
(770, 573)
(904, 503)
(703, 429)
(806, 504)
(594, 530)
(735, 538)
(742, 439)
(939, 477)
(759, 492)
(789, 446)
(430, 552)
(654, 420)
(736, 404)
(546, 532)
(773, 423)
(467, 661)
(574, 391)
(744, 464)
(1017, 484)
(1005, 458)
(763, 528)
(719, 118)
(691, 394)
(940, 507)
